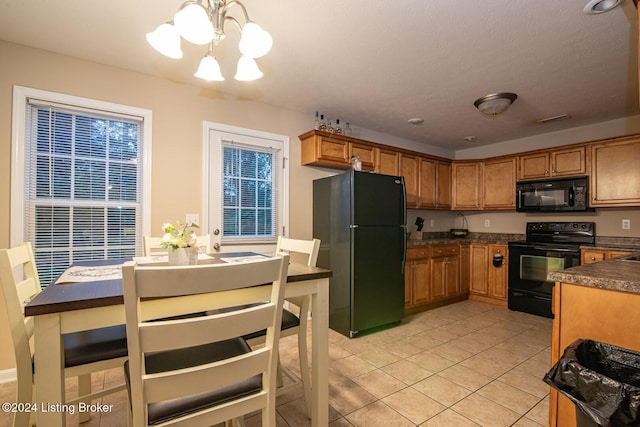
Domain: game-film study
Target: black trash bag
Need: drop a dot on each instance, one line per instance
(602, 380)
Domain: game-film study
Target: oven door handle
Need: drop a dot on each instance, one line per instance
(548, 248)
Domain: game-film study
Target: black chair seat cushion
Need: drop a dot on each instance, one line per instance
(289, 320)
(95, 345)
(184, 358)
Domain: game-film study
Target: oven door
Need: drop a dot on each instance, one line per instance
(529, 289)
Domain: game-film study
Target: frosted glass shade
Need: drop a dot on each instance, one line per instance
(192, 22)
(209, 69)
(255, 42)
(166, 40)
(247, 69)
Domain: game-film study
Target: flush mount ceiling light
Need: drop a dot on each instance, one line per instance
(203, 24)
(600, 6)
(416, 121)
(495, 104)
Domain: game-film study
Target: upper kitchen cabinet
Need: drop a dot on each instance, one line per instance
(434, 189)
(409, 170)
(326, 150)
(500, 183)
(366, 153)
(467, 185)
(615, 174)
(387, 161)
(553, 163)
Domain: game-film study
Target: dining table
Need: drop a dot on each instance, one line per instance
(63, 308)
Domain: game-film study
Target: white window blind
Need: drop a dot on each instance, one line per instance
(250, 183)
(83, 185)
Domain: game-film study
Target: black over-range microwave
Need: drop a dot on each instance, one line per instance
(553, 195)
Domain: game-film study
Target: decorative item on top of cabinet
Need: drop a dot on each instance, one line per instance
(467, 185)
(499, 183)
(615, 175)
(434, 189)
(553, 163)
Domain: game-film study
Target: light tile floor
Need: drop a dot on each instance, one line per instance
(467, 364)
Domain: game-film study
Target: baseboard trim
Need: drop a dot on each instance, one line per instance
(7, 375)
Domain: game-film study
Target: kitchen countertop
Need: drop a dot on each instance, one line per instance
(614, 274)
(445, 239)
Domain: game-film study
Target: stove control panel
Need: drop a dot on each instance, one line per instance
(561, 227)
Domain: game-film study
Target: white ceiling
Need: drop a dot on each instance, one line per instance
(377, 64)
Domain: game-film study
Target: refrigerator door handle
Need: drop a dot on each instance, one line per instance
(403, 231)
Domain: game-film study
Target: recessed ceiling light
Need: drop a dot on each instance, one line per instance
(600, 6)
(470, 138)
(554, 118)
(415, 121)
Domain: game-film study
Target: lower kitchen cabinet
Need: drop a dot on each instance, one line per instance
(416, 276)
(445, 271)
(488, 282)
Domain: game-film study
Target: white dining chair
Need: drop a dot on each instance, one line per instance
(198, 370)
(85, 352)
(293, 324)
(154, 244)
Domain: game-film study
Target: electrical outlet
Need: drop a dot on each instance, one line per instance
(626, 224)
(432, 223)
(487, 223)
(193, 219)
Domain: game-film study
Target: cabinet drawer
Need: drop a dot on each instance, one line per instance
(419, 252)
(445, 250)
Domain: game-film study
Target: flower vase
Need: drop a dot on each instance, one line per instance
(184, 256)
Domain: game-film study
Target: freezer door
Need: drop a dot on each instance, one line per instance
(377, 276)
(378, 199)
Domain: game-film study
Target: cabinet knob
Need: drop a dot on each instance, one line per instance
(593, 258)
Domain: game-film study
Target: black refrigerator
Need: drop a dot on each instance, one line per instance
(360, 218)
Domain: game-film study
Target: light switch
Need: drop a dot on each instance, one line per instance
(193, 218)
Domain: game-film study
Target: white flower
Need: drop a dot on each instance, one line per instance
(178, 237)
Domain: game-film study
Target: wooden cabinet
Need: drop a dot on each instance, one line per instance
(323, 149)
(615, 177)
(387, 161)
(409, 169)
(499, 184)
(416, 276)
(588, 312)
(465, 268)
(467, 185)
(488, 283)
(589, 256)
(434, 188)
(445, 271)
(553, 163)
(366, 153)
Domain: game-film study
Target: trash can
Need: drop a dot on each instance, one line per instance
(602, 380)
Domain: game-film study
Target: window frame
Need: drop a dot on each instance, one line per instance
(21, 95)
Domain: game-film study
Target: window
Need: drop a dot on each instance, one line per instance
(82, 180)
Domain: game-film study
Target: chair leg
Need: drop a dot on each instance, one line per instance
(305, 374)
(25, 393)
(84, 388)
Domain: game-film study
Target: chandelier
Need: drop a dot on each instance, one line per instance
(203, 24)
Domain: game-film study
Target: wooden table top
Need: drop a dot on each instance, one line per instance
(76, 296)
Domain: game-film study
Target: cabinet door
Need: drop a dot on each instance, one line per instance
(452, 267)
(409, 170)
(615, 254)
(421, 281)
(479, 269)
(333, 150)
(500, 184)
(438, 278)
(570, 162)
(498, 276)
(615, 176)
(443, 193)
(467, 185)
(533, 166)
(427, 188)
(408, 283)
(366, 153)
(465, 272)
(387, 163)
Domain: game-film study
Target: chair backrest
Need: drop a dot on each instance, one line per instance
(19, 283)
(155, 292)
(154, 244)
(293, 246)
